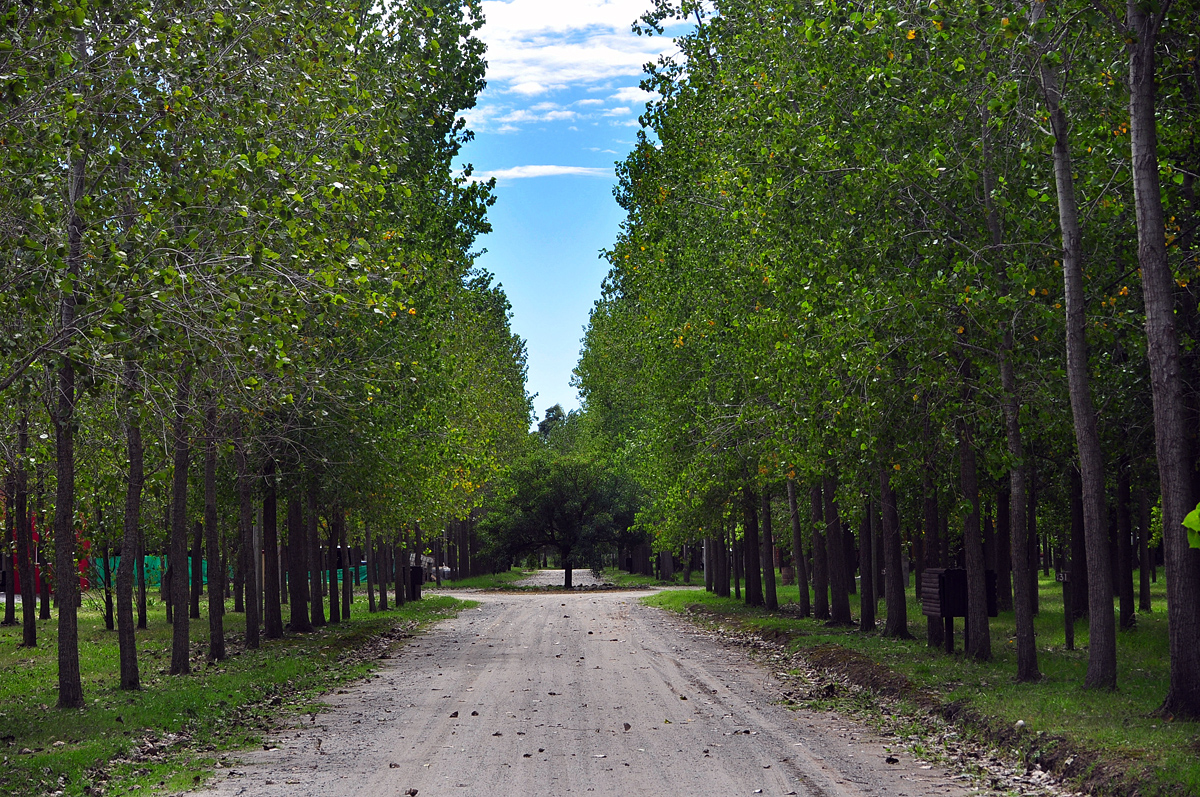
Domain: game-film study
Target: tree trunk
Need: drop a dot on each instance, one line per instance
(272, 606)
(10, 538)
(400, 562)
(300, 617)
(179, 529)
(1004, 595)
(978, 643)
(197, 571)
(935, 630)
(316, 601)
(347, 589)
(1166, 380)
(106, 569)
(251, 553)
(1102, 646)
(216, 589)
(893, 584)
(1144, 604)
(370, 556)
(1031, 552)
(335, 601)
(1124, 546)
(1022, 532)
(567, 567)
(820, 570)
(66, 587)
(383, 573)
(140, 566)
(767, 554)
(25, 537)
(1081, 573)
(866, 612)
(126, 639)
(798, 559)
(835, 554)
(754, 588)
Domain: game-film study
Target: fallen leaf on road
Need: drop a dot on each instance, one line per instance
(392, 765)
(628, 726)
(892, 759)
(452, 716)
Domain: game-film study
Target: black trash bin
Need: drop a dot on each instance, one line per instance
(416, 577)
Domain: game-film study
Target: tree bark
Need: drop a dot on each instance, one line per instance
(1024, 568)
(300, 617)
(1144, 604)
(1162, 351)
(754, 586)
(767, 556)
(935, 631)
(1004, 592)
(893, 584)
(979, 641)
(1102, 645)
(798, 558)
(1124, 547)
(835, 553)
(66, 587)
(370, 556)
(313, 534)
(347, 593)
(130, 539)
(179, 529)
(820, 571)
(272, 605)
(25, 537)
(866, 613)
(216, 587)
(140, 567)
(335, 601)
(10, 539)
(250, 551)
(1080, 570)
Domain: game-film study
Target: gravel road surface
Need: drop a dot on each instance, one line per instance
(551, 694)
(554, 578)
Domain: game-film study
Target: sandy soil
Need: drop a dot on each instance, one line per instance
(555, 694)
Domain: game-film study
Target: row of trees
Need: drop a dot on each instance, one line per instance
(237, 265)
(921, 257)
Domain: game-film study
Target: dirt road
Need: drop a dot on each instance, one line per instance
(550, 694)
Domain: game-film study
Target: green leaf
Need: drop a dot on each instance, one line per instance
(1192, 524)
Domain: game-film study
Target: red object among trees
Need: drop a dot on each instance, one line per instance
(84, 546)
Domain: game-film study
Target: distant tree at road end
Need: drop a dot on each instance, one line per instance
(560, 494)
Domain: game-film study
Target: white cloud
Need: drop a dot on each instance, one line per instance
(536, 46)
(617, 112)
(521, 172)
(633, 94)
(588, 102)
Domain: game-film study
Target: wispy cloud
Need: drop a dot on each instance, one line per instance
(536, 48)
(522, 172)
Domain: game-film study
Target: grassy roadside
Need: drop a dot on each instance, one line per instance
(1111, 732)
(172, 733)
(488, 581)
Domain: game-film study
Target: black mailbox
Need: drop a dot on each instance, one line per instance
(944, 596)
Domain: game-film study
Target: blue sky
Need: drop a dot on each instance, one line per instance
(560, 109)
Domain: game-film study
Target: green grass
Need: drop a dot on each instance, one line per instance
(191, 720)
(489, 581)
(1121, 726)
(623, 579)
